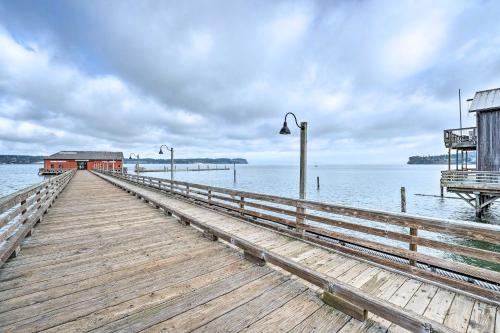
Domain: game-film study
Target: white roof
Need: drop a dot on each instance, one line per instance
(486, 100)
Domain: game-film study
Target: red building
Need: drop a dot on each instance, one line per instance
(82, 160)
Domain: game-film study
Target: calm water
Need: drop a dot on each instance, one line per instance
(366, 186)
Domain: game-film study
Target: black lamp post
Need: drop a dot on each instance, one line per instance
(303, 151)
(171, 159)
(137, 163)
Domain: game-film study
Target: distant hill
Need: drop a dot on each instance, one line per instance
(441, 159)
(20, 159)
(28, 159)
(189, 161)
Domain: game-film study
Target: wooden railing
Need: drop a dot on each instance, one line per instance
(51, 171)
(351, 300)
(460, 137)
(417, 245)
(22, 210)
(472, 178)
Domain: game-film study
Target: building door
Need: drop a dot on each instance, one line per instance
(82, 165)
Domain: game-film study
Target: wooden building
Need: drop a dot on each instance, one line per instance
(479, 187)
(82, 160)
(486, 105)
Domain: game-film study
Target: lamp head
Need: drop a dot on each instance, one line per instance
(160, 152)
(285, 130)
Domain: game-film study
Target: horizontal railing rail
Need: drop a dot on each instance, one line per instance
(415, 244)
(22, 210)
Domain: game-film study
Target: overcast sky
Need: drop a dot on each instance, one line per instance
(377, 81)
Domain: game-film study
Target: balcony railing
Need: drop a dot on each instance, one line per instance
(465, 137)
(471, 179)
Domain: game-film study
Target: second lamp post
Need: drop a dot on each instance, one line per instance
(303, 152)
(171, 159)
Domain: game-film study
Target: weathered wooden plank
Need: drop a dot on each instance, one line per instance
(89, 298)
(247, 314)
(156, 314)
(324, 320)
(202, 314)
(439, 305)
(459, 313)
(149, 297)
(289, 315)
(13, 299)
(482, 318)
(418, 303)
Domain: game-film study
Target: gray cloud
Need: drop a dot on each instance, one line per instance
(215, 78)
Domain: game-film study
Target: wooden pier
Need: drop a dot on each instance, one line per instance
(180, 169)
(188, 257)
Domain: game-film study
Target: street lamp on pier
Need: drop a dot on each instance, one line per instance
(137, 163)
(303, 151)
(171, 159)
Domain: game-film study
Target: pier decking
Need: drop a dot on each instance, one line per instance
(104, 261)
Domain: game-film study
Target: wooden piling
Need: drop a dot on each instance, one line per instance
(403, 199)
(234, 172)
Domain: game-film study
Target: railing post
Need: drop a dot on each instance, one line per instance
(299, 220)
(210, 197)
(413, 231)
(23, 212)
(242, 205)
(187, 190)
(413, 244)
(39, 199)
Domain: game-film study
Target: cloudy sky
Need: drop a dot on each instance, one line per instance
(376, 81)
